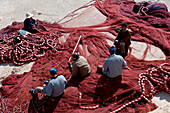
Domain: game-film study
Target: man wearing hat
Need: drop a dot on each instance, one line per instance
(123, 39)
(30, 24)
(54, 88)
(113, 66)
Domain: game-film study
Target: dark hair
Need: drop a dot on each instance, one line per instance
(53, 71)
(124, 24)
(75, 55)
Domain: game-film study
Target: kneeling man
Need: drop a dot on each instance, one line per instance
(54, 88)
(80, 66)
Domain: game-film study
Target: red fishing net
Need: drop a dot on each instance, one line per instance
(157, 18)
(131, 92)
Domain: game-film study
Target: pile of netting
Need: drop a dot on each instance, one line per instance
(31, 47)
(158, 18)
(130, 92)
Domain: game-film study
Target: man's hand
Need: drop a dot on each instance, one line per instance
(116, 41)
(70, 66)
(99, 69)
(46, 82)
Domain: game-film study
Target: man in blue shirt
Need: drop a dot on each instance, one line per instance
(54, 88)
(113, 66)
(30, 24)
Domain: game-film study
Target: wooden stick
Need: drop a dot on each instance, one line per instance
(75, 47)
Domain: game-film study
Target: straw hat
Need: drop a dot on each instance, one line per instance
(29, 15)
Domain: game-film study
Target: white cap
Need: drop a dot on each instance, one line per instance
(29, 15)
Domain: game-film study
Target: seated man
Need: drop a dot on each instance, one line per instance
(80, 66)
(30, 24)
(17, 40)
(123, 39)
(54, 88)
(113, 66)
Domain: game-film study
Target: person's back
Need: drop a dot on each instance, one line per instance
(81, 67)
(56, 86)
(29, 24)
(113, 66)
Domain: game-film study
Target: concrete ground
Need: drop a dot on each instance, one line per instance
(54, 11)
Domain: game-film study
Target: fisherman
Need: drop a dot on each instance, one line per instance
(80, 66)
(30, 24)
(54, 88)
(123, 40)
(17, 40)
(113, 66)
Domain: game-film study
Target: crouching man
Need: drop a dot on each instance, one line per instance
(113, 66)
(54, 88)
(80, 67)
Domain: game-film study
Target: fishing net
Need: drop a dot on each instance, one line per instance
(130, 92)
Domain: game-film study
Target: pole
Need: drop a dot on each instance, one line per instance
(75, 47)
